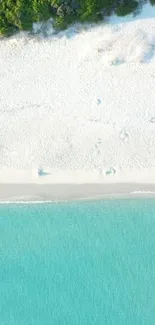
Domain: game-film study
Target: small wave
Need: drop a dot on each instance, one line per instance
(143, 192)
(30, 202)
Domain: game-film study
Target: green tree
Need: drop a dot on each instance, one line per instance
(20, 14)
(126, 7)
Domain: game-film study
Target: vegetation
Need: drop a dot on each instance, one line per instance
(18, 15)
(124, 9)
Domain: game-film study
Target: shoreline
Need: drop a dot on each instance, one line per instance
(46, 193)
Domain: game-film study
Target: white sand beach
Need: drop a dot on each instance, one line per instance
(35, 193)
(78, 107)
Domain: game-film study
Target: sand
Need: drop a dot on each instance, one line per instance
(23, 193)
(20, 186)
(78, 108)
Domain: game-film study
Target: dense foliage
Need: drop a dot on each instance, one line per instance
(20, 14)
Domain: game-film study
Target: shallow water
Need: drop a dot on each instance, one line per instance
(78, 263)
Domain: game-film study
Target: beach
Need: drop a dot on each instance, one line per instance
(77, 113)
(77, 173)
(39, 193)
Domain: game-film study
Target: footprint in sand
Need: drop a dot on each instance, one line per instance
(152, 120)
(124, 136)
(97, 120)
(99, 141)
(99, 101)
(97, 149)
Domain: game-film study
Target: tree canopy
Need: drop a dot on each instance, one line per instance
(20, 14)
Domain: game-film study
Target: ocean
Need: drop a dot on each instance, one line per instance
(78, 263)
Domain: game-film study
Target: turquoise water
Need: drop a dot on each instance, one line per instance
(79, 263)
